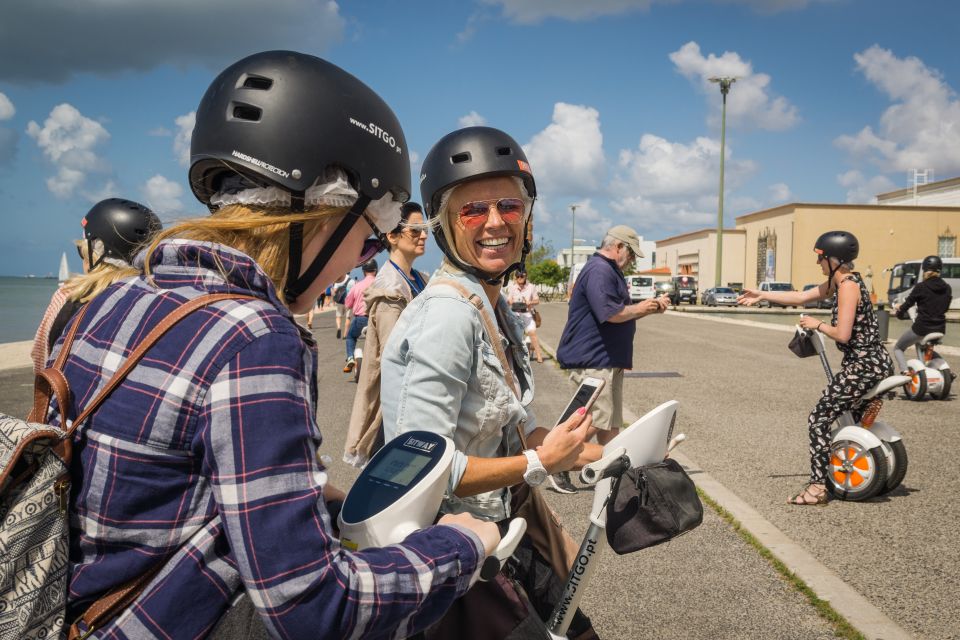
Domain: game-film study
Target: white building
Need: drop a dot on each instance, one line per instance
(922, 194)
(583, 252)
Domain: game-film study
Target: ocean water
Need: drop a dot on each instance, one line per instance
(22, 303)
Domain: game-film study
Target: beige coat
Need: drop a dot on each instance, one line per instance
(386, 298)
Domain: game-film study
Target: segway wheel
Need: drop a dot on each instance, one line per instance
(856, 473)
(945, 387)
(916, 389)
(900, 463)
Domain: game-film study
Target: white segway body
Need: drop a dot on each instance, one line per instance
(931, 373)
(644, 442)
(864, 461)
(400, 491)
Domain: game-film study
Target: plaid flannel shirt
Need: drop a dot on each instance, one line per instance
(204, 460)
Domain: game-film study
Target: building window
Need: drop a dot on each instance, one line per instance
(947, 244)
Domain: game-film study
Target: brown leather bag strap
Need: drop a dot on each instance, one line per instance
(165, 325)
(110, 605)
(493, 335)
(50, 381)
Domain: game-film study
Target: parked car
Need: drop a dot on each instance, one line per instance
(663, 288)
(684, 290)
(641, 287)
(720, 296)
(775, 286)
(818, 304)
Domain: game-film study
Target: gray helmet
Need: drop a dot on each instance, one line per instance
(467, 154)
(932, 263)
(283, 118)
(123, 226)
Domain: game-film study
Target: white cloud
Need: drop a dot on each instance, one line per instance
(472, 119)
(107, 36)
(750, 102)
(921, 129)
(780, 193)
(181, 142)
(535, 11)
(163, 195)
(6, 107)
(663, 187)
(108, 190)
(68, 139)
(863, 190)
(567, 157)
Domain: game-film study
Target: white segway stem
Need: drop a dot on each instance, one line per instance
(508, 544)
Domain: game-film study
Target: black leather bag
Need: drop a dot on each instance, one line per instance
(651, 505)
(802, 345)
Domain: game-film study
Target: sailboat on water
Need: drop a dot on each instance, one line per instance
(64, 273)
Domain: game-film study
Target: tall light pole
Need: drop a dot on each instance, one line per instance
(725, 83)
(573, 242)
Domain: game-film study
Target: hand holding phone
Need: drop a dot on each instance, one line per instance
(586, 395)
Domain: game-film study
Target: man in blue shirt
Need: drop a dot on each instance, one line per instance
(597, 341)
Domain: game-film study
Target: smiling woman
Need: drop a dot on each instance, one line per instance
(455, 364)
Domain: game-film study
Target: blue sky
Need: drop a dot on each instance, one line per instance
(836, 100)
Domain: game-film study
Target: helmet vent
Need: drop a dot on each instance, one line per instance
(257, 82)
(459, 158)
(246, 112)
(504, 151)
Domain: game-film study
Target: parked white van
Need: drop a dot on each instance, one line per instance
(904, 275)
(641, 287)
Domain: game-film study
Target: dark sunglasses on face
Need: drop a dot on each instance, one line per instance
(474, 214)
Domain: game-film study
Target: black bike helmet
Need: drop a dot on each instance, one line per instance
(932, 263)
(123, 226)
(841, 245)
(282, 118)
(465, 154)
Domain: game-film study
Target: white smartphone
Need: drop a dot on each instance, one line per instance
(584, 397)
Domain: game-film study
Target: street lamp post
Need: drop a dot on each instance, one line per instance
(573, 242)
(724, 83)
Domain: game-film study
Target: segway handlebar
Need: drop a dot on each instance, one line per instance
(508, 543)
(613, 464)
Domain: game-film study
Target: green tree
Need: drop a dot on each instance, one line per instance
(547, 273)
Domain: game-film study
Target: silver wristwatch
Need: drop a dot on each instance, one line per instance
(535, 473)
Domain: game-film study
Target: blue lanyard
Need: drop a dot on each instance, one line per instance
(416, 285)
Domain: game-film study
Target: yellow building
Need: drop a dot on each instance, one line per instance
(694, 254)
(777, 244)
(779, 241)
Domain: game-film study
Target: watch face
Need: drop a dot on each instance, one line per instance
(535, 477)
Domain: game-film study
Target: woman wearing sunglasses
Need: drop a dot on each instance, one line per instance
(396, 284)
(114, 230)
(455, 362)
(203, 463)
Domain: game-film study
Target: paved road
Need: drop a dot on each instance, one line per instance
(744, 401)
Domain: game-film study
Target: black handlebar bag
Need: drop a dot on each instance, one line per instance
(650, 505)
(802, 345)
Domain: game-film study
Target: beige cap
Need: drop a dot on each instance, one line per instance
(628, 236)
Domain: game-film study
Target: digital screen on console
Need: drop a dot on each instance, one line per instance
(399, 467)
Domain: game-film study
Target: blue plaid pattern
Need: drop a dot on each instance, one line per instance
(204, 459)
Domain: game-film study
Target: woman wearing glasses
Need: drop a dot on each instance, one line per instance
(203, 463)
(114, 230)
(522, 298)
(455, 362)
(396, 284)
(853, 326)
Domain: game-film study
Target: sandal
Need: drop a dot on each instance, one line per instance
(810, 497)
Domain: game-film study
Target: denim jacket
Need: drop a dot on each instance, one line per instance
(440, 373)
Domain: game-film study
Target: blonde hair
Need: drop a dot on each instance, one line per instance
(262, 234)
(86, 286)
(930, 274)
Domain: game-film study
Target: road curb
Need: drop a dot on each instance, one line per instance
(823, 581)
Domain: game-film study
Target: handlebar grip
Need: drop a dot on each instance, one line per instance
(597, 470)
(508, 544)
